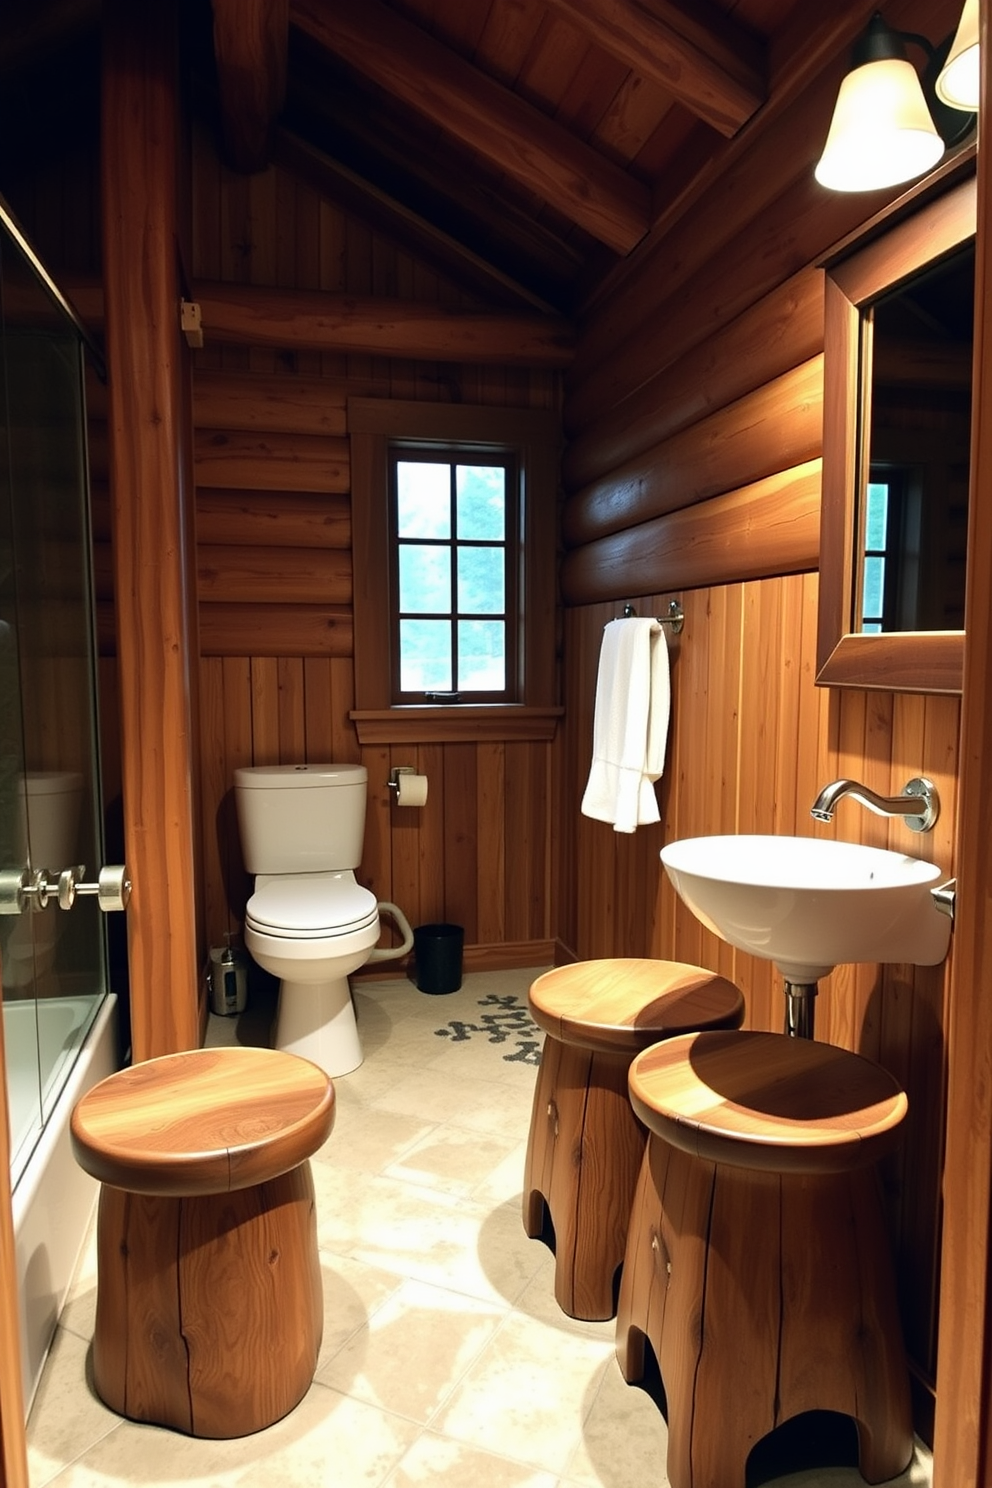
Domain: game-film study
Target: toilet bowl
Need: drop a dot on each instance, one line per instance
(311, 930)
(309, 922)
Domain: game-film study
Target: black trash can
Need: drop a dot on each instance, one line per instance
(437, 950)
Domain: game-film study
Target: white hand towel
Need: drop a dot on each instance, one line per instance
(630, 726)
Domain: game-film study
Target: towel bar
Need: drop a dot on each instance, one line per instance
(675, 617)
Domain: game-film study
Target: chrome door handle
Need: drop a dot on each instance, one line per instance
(31, 888)
(112, 888)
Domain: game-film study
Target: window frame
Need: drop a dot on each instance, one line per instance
(533, 436)
(510, 615)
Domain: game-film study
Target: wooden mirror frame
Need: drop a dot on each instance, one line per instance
(896, 661)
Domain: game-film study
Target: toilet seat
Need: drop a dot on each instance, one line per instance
(311, 906)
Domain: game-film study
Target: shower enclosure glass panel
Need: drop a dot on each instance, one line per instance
(53, 961)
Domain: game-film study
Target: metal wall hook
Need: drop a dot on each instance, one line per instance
(675, 617)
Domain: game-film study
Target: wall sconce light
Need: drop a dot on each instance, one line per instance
(888, 124)
(957, 85)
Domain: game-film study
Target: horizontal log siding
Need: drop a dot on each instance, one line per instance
(752, 739)
(771, 429)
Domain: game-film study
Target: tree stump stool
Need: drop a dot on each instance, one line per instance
(585, 1146)
(209, 1300)
(758, 1264)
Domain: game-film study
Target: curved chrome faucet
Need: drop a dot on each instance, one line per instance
(918, 805)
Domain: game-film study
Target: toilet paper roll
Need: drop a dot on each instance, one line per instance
(411, 790)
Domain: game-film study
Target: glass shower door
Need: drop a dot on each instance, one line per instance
(53, 961)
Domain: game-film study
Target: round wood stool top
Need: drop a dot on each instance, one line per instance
(206, 1121)
(762, 1100)
(626, 1004)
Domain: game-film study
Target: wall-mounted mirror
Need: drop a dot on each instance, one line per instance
(899, 314)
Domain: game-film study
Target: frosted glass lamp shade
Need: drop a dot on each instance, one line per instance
(957, 84)
(881, 132)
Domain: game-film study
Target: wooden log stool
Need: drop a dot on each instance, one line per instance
(585, 1146)
(209, 1301)
(758, 1264)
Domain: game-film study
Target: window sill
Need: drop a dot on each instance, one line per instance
(454, 723)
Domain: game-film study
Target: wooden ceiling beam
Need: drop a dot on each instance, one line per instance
(250, 315)
(251, 44)
(515, 137)
(313, 320)
(707, 62)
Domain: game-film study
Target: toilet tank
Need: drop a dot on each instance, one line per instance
(50, 810)
(301, 818)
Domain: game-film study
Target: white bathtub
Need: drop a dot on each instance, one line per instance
(53, 1198)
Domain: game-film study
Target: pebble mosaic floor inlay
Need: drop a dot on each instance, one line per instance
(509, 1022)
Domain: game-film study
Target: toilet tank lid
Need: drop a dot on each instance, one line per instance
(49, 782)
(297, 777)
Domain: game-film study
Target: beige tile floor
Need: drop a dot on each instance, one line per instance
(445, 1360)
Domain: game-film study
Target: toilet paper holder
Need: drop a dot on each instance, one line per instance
(410, 789)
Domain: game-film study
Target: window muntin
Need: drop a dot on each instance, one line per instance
(455, 555)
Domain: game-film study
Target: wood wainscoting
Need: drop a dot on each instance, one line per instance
(752, 740)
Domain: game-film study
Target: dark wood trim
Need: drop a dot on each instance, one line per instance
(507, 955)
(909, 662)
(769, 528)
(417, 724)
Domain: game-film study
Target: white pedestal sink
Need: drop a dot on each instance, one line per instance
(809, 904)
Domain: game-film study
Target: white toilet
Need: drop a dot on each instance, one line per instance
(308, 922)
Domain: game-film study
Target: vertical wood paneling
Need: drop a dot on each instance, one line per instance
(490, 807)
(430, 837)
(461, 859)
(265, 710)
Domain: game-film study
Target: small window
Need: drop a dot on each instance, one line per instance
(454, 550)
(454, 521)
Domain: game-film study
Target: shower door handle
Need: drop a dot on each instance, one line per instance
(112, 888)
(31, 888)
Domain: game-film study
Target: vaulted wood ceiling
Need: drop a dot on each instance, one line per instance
(524, 147)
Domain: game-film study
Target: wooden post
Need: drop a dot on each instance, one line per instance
(964, 1393)
(152, 515)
